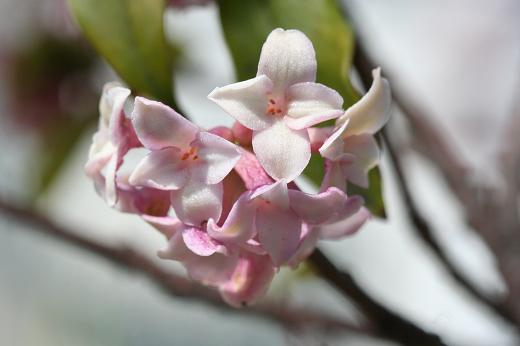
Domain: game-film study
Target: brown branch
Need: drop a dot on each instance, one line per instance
(495, 219)
(386, 323)
(293, 319)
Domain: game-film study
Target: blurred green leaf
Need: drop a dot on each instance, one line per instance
(246, 25)
(129, 35)
(373, 195)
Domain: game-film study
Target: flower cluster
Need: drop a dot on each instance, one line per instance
(226, 198)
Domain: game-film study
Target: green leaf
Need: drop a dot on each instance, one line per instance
(373, 195)
(246, 25)
(129, 35)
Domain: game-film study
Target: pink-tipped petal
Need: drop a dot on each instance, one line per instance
(283, 152)
(196, 203)
(162, 169)
(250, 280)
(200, 242)
(310, 104)
(287, 58)
(239, 226)
(278, 232)
(217, 158)
(372, 111)
(345, 227)
(317, 208)
(246, 101)
(158, 126)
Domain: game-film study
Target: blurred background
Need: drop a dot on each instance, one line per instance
(459, 61)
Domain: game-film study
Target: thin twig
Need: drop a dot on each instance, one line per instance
(386, 323)
(292, 319)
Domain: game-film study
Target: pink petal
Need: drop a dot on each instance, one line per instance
(283, 152)
(142, 201)
(365, 149)
(250, 280)
(246, 101)
(239, 225)
(334, 176)
(111, 103)
(224, 132)
(110, 181)
(251, 171)
(276, 194)
(162, 169)
(317, 208)
(176, 249)
(372, 111)
(217, 157)
(318, 136)
(196, 203)
(167, 225)
(310, 104)
(158, 126)
(242, 134)
(345, 227)
(309, 239)
(201, 243)
(214, 270)
(278, 232)
(287, 58)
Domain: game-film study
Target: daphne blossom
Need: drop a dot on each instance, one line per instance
(281, 102)
(225, 199)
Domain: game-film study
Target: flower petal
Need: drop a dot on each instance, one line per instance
(283, 152)
(251, 171)
(111, 103)
(278, 232)
(345, 227)
(162, 169)
(333, 147)
(158, 126)
(246, 101)
(308, 240)
(310, 104)
(365, 149)
(214, 270)
(334, 176)
(201, 243)
(276, 194)
(217, 157)
(250, 280)
(372, 111)
(287, 58)
(239, 226)
(317, 208)
(318, 136)
(167, 225)
(197, 203)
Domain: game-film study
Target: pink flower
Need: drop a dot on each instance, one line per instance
(115, 136)
(281, 102)
(183, 159)
(351, 150)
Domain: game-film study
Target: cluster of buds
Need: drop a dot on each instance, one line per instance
(226, 199)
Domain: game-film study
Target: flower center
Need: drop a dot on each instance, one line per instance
(275, 107)
(190, 154)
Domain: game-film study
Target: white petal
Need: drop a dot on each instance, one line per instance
(111, 103)
(161, 169)
(197, 203)
(333, 147)
(370, 113)
(282, 152)
(312, 103)
(246, 101)
(365, 149)
(287, 58)
(218, 157)
(158, 126)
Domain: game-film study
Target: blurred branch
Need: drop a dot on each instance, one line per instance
(493, 216)
(425, 231)
(293, 319)
(386, 323)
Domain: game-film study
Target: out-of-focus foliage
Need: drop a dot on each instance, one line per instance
(50, 95)
(130, 36)
(246, 24)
